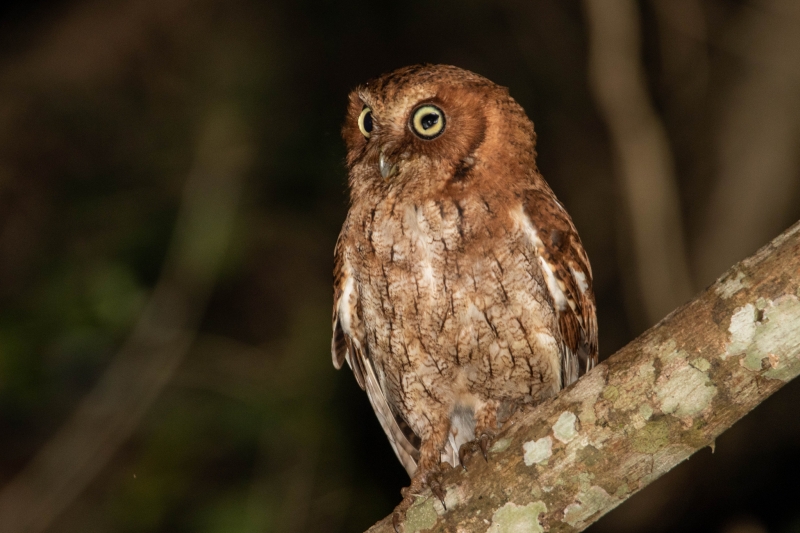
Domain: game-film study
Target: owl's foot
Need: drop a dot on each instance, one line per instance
(485, 428)
(432, 480)
(468, 449)
(465, 452)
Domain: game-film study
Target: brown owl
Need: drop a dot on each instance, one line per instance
(461, 288)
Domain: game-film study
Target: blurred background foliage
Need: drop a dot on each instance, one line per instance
(171, 188)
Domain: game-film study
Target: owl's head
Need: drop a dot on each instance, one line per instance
(428, 126)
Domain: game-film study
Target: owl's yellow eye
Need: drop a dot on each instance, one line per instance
(428, 121)
(365, 121)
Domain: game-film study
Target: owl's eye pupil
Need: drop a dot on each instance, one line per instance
(429, 120)
(368, 122)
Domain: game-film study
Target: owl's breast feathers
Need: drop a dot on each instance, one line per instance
(538, 285)
(347, 344)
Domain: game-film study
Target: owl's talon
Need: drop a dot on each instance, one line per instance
(396, 520)
(483, 442)
(438, 491)
(463, 454)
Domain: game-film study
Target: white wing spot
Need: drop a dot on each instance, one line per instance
(344, 305)
(556, 291)
(580, 277)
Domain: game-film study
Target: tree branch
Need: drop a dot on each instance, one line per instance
(565, 463)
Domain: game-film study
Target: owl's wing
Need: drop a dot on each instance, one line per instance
(344, 344)
(568, 275)
(348, 345)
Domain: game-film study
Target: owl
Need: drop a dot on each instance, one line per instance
(461, 288)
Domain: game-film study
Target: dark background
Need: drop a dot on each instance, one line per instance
(171, 188)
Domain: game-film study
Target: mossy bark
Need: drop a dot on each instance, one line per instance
(565, 463)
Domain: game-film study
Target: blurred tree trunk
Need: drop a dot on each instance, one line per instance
(669, 393)
(644, 165)
(756, 147)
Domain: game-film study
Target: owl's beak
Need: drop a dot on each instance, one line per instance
(387, 168)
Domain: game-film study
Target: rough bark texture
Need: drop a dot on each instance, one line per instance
(672, 391)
